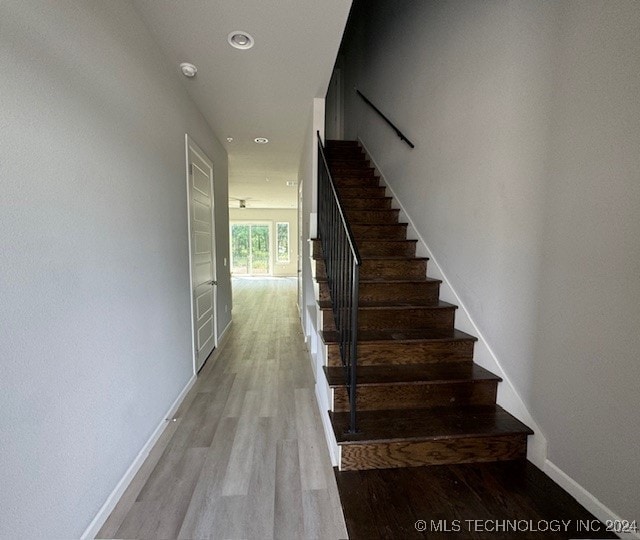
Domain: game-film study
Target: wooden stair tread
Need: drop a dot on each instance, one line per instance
(345, 198)
(326, 304)
(356, 197)
(398, 241)
(427, 424)
(400, 224)
(402, 336)
(413, 374)
(383, 258)
(341, 142)
(389, 210)
(382, 281)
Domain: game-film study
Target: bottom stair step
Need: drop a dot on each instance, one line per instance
(415, 437)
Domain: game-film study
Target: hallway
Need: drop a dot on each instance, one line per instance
(245, 456)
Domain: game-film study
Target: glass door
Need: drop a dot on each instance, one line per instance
(250, 249)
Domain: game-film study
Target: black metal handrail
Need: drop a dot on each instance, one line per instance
(398, 132)
(342, 262)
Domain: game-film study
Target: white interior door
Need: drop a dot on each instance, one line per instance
(202, 250)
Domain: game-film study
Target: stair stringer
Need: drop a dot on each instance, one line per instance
(317, 356)
(508, 397)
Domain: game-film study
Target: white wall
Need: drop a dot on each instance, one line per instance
(273, 216)
(94, 275)
(588, 340)
(525, 185)
(307, 174)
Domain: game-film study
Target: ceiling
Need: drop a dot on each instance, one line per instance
(265, 91)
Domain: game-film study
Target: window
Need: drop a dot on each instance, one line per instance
(282, 242)
(250, 248)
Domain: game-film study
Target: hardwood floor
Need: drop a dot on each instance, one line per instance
(245, 456)
(476, 501)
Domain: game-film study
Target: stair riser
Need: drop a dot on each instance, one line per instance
(383, 319)
(343, 150)
(348, 162)
(339, 172)
(388, 232)
(356, 181)
(372, 216)
(375, 248)
(369, 248)
(382, 269)
(353, 192)
(375, 354)
(426, 293)
(417, 396)
(366, 204)
(347, 156)
(441, 452)
(336, 143)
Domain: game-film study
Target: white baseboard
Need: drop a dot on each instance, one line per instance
(222, 336)
(585, 498)
(104, 512)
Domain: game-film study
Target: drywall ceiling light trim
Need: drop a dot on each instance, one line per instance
(240, 39)
(261, 140)
(188, 70)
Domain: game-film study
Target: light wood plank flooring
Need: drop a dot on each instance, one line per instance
(246, 455)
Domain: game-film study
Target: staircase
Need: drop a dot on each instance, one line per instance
(420, 398)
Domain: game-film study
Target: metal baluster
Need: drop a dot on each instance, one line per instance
(342, 263)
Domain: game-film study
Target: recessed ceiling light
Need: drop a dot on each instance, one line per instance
(188, 70)
(229, 139)
(291, 183)
(240, 39)
(261, 140)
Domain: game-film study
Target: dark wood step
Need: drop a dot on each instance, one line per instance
(366, 203)
(355, 181)
(381, 316)
(348, 161)
(376, 247)
(414, 386)
(380, 230)
(384, 268)
(355, 192)
(345, 154)
(350, 171)
(338, 143)
(443, 435)
(372, 216)
(407, 347)
(422, 292)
